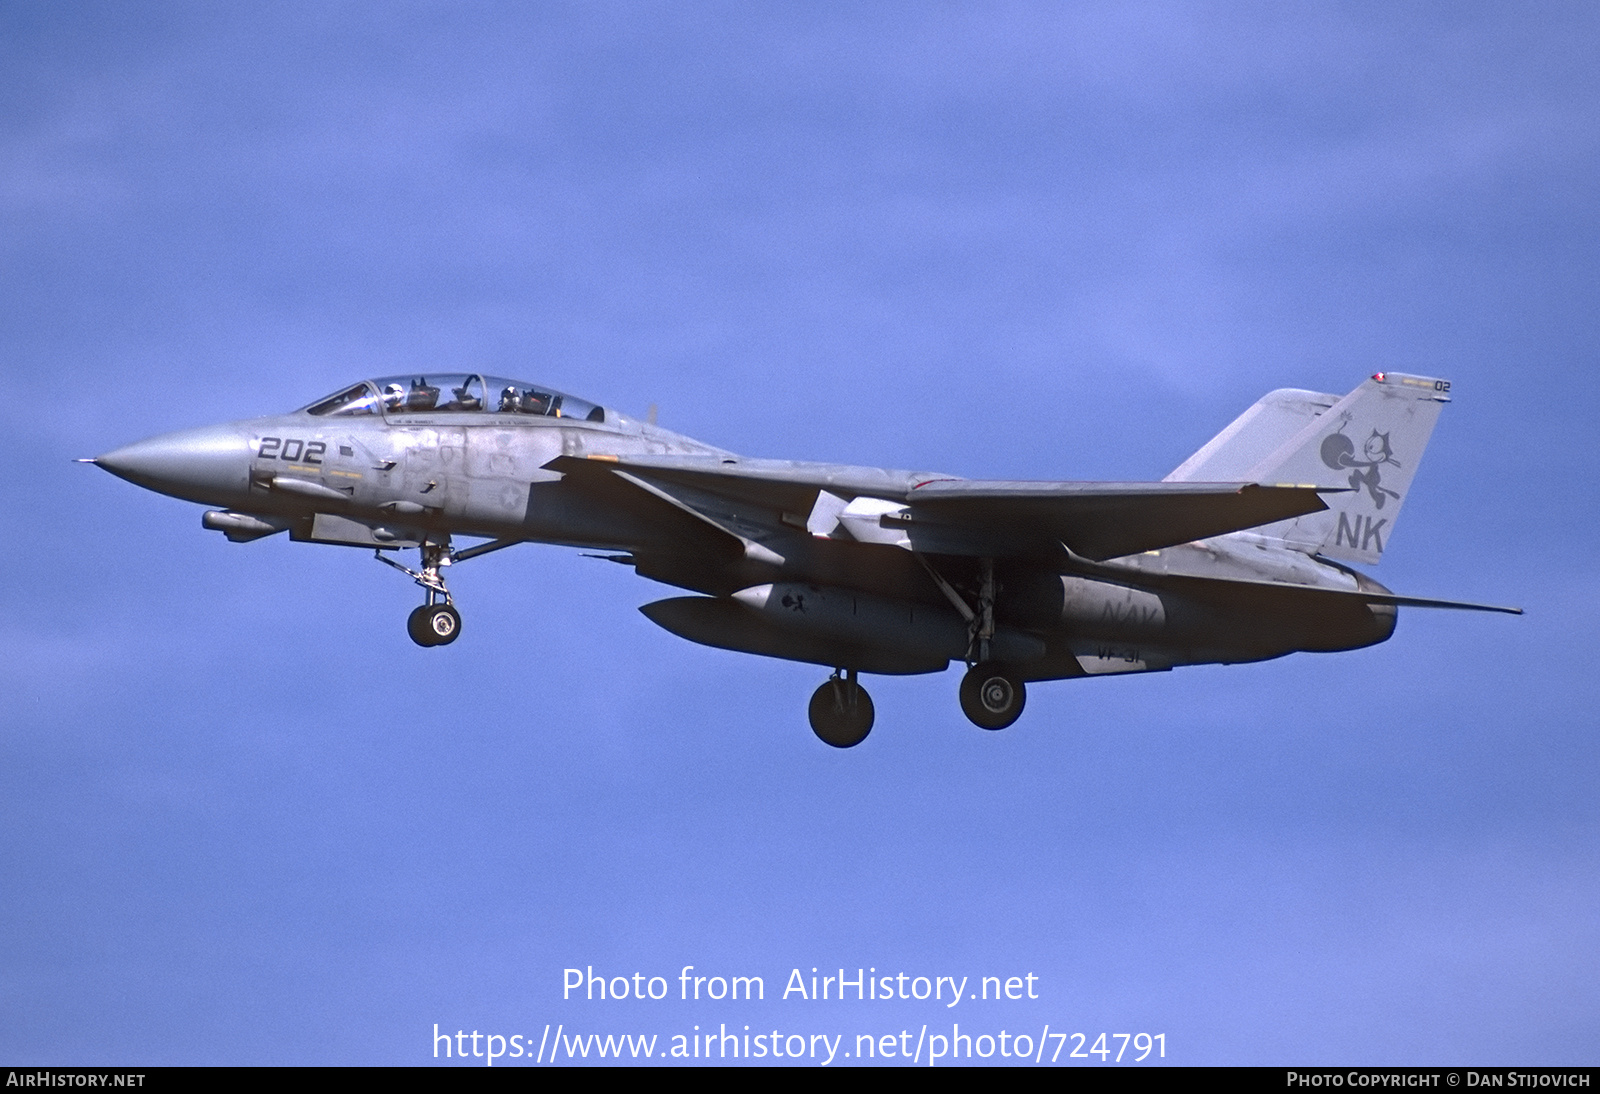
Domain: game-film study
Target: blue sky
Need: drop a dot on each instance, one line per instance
(246, 821)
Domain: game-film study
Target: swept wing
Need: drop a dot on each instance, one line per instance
(1095, 520)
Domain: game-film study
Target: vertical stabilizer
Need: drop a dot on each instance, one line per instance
(1369, 444)
(1252, 436)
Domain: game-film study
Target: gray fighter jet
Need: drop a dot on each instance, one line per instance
(1239, 555)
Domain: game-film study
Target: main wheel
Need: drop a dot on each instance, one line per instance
(841, 713)
(434, 625)
(991, 697)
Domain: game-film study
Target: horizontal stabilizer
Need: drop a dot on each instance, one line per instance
(1376, 595)
(1424, 602)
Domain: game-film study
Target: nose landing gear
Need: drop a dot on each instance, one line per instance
(436, 622)
(434, 625)
(841, 710)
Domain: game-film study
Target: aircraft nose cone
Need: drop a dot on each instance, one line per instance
(208, 465)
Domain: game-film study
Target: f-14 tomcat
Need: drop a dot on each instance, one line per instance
(1241, 554)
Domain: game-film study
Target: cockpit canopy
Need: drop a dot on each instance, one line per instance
(453, 393)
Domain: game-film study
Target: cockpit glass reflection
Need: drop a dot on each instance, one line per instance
(442, 393)
(360, 399)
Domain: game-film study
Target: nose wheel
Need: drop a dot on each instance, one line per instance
(434, 625)
(841, 710)
(991, 697)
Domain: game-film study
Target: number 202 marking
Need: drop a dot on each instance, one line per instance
(292, 449)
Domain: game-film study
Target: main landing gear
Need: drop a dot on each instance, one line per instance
(841, 710)
(436, 622)
(991, 697)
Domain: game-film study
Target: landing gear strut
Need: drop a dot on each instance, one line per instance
(991, 697)
(436, 622)
(841, 710)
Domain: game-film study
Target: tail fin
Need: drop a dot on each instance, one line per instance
(1253, 435)
(1368, 444)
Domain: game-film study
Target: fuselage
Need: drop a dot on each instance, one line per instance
(382, 467)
